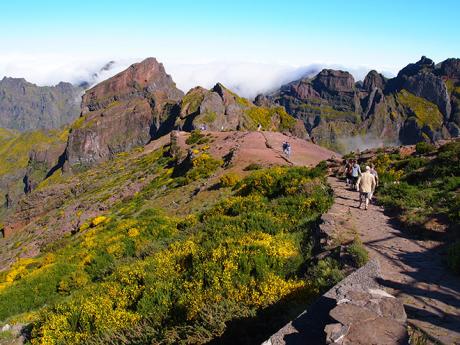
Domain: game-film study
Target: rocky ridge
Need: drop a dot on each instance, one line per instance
(421, 103)
(25, 106)
(143, 103)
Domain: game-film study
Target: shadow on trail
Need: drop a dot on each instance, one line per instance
(434, 289)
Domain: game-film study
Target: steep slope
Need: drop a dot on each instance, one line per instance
(168, 243)
(421, 103)
(25, 106)
(26, 158)
(123, 112)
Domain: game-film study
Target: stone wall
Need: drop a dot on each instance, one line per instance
(355, 311)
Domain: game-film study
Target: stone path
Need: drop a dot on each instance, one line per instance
(413, 270)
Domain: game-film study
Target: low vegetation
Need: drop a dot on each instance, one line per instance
(358, 253)
(137, 274)
(196, 138)
(425, 112)
(270, 118)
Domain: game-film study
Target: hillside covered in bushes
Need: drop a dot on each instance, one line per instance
(156, 266)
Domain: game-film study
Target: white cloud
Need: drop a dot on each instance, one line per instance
(246, 78)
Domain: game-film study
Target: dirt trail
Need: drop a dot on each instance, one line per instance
(413, 270)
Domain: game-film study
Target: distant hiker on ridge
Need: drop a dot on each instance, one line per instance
(365, 186)
(287, 148)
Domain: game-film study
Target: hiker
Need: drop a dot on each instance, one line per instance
(355, 172)
(376, 176)
(348, 176)
(365, 186)
(286, 148)
(259, 127)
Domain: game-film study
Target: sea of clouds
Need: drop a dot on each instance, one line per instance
(245, 78)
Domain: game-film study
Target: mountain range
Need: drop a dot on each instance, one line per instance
(145, 215)
(143, 103)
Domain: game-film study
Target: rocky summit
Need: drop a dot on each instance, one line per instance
(123, 112)
(420, 103)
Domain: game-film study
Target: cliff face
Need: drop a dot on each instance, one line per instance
(25, 106)
(421, 103)
(123, 112)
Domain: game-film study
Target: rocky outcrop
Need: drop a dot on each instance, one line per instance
(432, 88)
(374, 80)
(25, 106)
(423, 65)
(219, 109)
(334, 81)
(421, 103)
(450, 69)
(123, 112)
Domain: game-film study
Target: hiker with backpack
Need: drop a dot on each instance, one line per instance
(376, 176)
(365, 186)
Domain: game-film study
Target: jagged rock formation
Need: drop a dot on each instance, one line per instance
(25, 106)
(421, 103)
(219, 109)
(142, 103)
(123, 112)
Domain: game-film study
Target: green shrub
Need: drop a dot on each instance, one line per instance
(196, 137)
(180, 279)
(326, 273)
(453, 257)
(358, 253)
(203, 166)
(230, 179)
(423, 148)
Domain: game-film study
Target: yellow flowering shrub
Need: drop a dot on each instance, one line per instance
(98, 220)
(182, 278)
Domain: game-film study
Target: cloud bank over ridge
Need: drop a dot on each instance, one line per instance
(245, 78)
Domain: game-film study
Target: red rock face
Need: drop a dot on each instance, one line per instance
(123, 112)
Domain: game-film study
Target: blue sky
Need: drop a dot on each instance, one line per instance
(385, 35)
